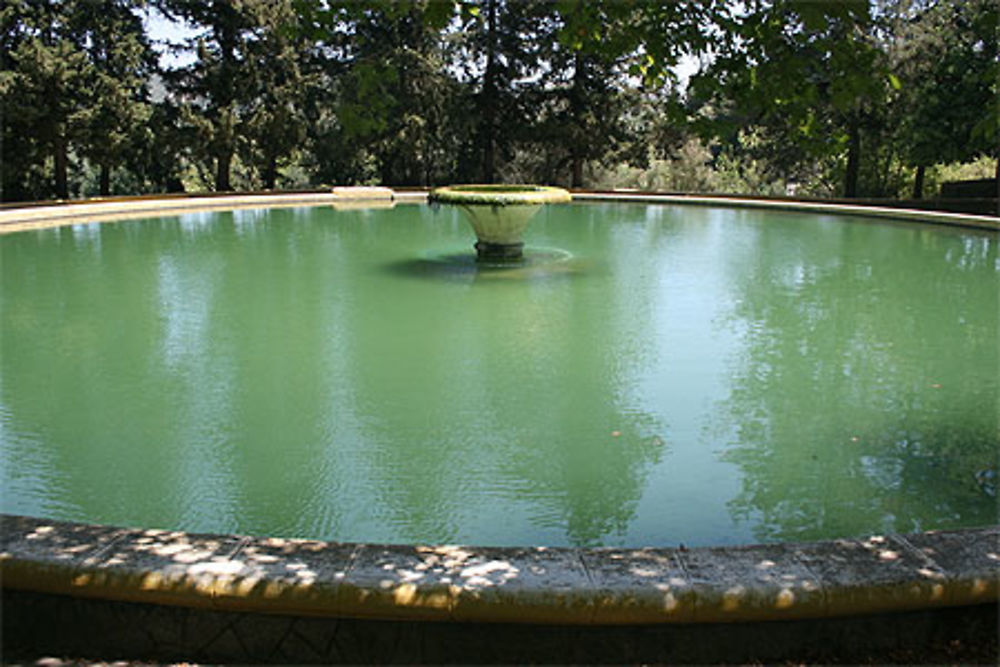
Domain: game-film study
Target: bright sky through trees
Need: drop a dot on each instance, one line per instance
(166, 33)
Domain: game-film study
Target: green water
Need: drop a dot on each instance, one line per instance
(653, 376)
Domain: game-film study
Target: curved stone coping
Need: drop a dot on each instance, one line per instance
(499, 195)
(17, 219)
(607, 586)
(864, 210)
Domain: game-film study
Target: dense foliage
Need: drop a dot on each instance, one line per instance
(849, 99)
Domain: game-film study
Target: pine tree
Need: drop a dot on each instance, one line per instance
(274, 118)
(114, 123)
(44, 91)
(215, 89)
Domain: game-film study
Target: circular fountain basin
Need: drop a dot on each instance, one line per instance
(632, 433)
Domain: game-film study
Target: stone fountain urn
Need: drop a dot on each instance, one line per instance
(499, 214)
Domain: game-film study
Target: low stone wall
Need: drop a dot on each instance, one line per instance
(16, 219)
(227, 574)
(38, 626)
(857, 208)
(19, 218)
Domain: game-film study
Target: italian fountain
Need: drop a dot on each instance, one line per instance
(238, 428)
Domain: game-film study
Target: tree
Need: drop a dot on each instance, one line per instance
(44, 90)
(215, 88)
(398, 98)
(389, 113)
(947, 67)
(810, 74)
(499, 50)
(160, 162)
(275, 119)
(583, 94)
(425, 91)
(114, 121)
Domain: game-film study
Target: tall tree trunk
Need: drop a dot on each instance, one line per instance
(105, 179)
(918, 183)
(488, 126)
(577, 108)
(853, 160)
(427, 164)
(996, 177)
(577, 170)
(61, 164)
(222, 167)
(226, 34)
(270, 172)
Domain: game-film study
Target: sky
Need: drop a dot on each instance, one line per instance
(164, 32)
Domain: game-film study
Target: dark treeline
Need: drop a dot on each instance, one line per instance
(847, 99)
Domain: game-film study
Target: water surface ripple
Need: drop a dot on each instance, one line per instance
(653, 376)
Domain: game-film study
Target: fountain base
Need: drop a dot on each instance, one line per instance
(487, 251)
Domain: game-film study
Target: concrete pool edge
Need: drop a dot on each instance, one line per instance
(535, 585)
(43, 216)
(800, 206)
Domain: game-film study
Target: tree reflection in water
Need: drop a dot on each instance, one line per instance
(842, 393)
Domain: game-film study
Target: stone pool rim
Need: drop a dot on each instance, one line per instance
(40, 215)
(566, 586)
(540, 585)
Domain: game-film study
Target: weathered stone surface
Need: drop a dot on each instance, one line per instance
(969, 559)
(872, 575)
(157, 566)
(750, 583)
(387, 581)
(285, 575)
(521, 585)
(46, 555)
(526, 585)
(28, 537)
(639, 586)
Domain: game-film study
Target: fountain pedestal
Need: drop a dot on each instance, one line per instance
(499, 214)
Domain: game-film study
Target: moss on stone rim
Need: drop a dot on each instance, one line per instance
(500, 195)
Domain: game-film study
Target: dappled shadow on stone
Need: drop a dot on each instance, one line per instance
(176, 595)
(523, 584)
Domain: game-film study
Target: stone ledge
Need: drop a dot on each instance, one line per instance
(37, 217)
(863, 210)
(114, 210)
(881, 574)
